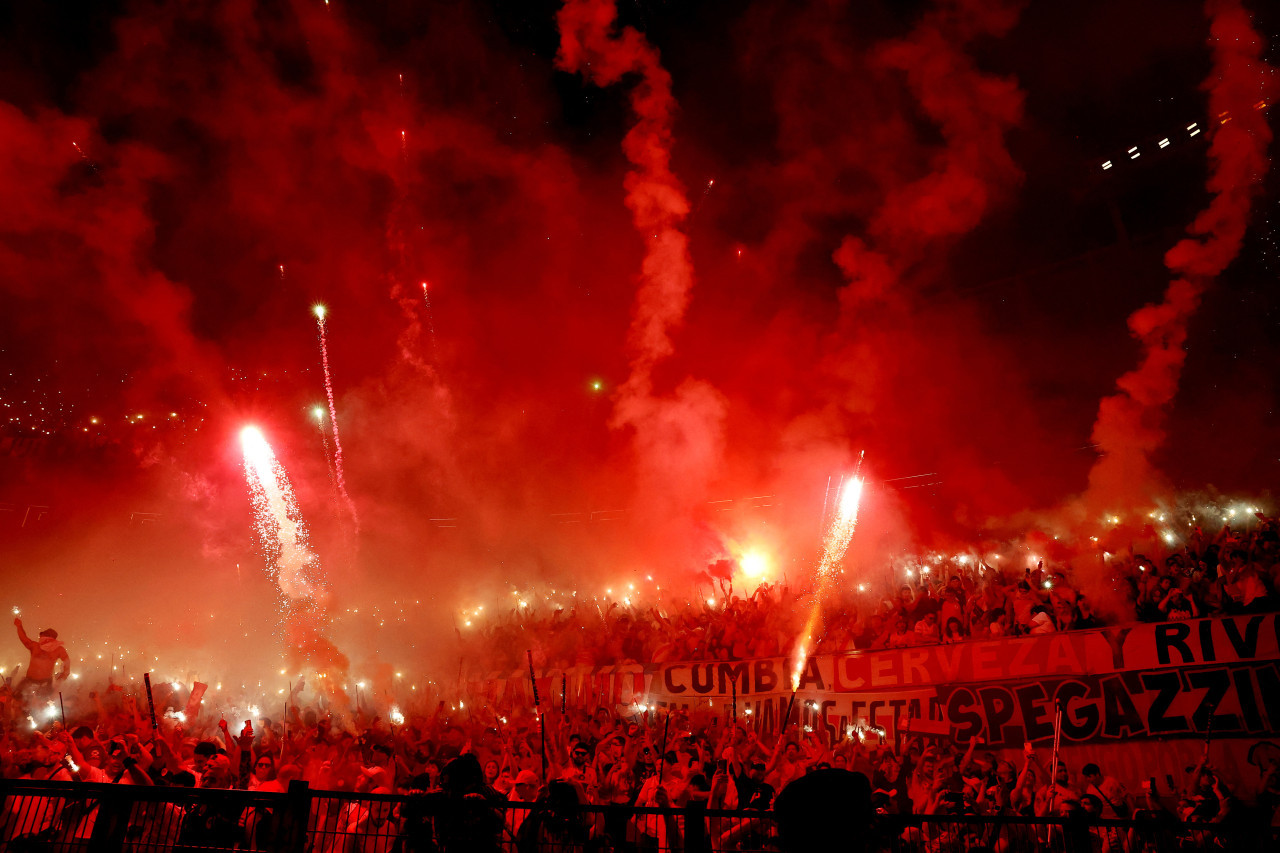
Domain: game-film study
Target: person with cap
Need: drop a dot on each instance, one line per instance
(753, 791)
(1111, 795)
(525, 790)
(201, 754)
(45, 654)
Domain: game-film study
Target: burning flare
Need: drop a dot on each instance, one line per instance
(833, 550)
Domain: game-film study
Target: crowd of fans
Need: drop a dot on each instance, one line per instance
(684, 759)
(938, 600)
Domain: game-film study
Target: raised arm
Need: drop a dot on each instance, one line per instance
(136, 774)
(1194, 778)
(22, 635)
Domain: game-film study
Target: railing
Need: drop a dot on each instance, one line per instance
(53, 817)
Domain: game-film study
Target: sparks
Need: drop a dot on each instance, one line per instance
(431, 323)
(833, 550)
(283, 535)
(339, 473)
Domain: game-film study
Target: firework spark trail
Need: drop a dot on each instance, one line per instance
(683, 431)
(333, 416)
(318, 412)
(701, 200)
(290, 560)
(431, 322)
(591, 43)
(833, 550)
(279, 522)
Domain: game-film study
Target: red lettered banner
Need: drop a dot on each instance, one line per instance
(1165, 679)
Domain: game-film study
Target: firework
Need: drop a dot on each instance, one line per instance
(706, 191)
(296, 569)
(341, 479)
(431, 323)
(280, 526)
(318, 414)
(833, 549)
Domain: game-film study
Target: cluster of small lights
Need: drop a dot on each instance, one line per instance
(35, 413)
(924, 565)
(1166, 523)
(34, 407)
(261, 379)
(1192, 130)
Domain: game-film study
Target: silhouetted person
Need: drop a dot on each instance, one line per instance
(827, 810)
(465, 822)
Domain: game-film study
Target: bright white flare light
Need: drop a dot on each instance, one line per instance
(754, 564)
(397, 718)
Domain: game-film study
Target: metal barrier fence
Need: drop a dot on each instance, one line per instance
(63, 817)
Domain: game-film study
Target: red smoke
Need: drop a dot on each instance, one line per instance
(864, 280)
(677, 437)
(973, 111)
(896, 370)
(1130, 424)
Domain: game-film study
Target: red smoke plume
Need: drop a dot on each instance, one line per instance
(892, 367)
(677, 437)
(1130, 424)
(242, 161)
(973, 111)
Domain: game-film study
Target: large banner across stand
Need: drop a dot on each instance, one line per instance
(1158, 680)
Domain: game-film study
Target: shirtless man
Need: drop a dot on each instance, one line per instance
(45, 654)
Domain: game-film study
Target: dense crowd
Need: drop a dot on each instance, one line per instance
(938, 600)
(681, 759)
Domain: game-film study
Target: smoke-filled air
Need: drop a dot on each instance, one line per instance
(359, 343)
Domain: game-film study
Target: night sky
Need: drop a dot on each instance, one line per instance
(881, 227)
